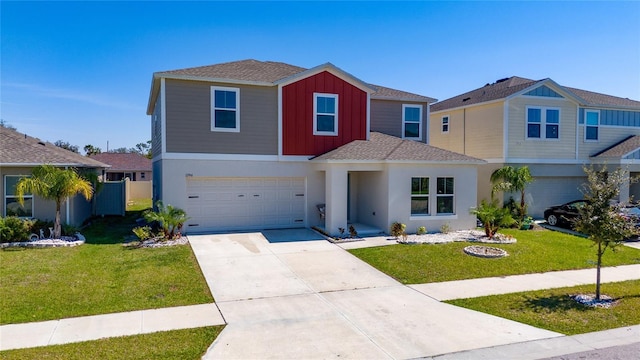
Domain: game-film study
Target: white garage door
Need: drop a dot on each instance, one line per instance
(216, 204)
(547, 191)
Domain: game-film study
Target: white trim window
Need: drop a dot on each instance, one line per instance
(11, 205)
(445, 124)
(412, 122)
(543, 123)
(225, 109)
(591, 125)
(445, 199)
(325, 114)
(419, 196)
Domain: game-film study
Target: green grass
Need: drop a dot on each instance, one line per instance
(177, 344)
(535, 252)
(554, 310)
(139, 204)
(99, 277)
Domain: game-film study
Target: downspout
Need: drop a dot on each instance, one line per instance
(67, 206)
(464, 130)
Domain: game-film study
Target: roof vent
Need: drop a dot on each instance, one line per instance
(41, 143)
(466, 99)
(501, 80)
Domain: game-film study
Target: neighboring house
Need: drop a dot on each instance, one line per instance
(553, 129)
(255, 145)
(133, 166)
(19, 154)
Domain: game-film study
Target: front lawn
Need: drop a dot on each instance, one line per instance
(554, 310)
(535, 252)
(99, 277)
(177, 344)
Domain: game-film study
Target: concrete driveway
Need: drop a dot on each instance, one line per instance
(312, 299)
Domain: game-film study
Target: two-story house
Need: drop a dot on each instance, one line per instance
(555, 130)
(259, 144)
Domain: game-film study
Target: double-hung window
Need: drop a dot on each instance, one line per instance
(445, 195)
(412, 122)
(543, 123)
(419, 196)
(225, 109)
(11, 205)
(445, 124)
(325, 114)
(592, 121)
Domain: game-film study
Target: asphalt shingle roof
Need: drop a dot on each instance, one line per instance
(620, 149)
(19, 149)
(382, 147)
(489, 92)
(269, 72)
(124, 161)
(505, 87)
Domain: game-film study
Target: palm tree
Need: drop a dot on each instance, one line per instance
(52, 183)
(511, 179)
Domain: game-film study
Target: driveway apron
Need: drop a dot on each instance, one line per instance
(312, 299)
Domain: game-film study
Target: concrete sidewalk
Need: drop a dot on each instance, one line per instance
(17, 336)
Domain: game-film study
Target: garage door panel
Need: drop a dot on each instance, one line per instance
(547, 191)
(245, 203)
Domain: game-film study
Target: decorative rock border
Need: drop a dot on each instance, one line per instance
(485, 251)
(44, 243)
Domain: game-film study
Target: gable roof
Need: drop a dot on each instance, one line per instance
(387, 148)
(266, 73)
(17, 149)
(619, 149)
(124, 161)
(504, 88)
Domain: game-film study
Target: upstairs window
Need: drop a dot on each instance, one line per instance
(543, 123)
(412, 122)
(592, 121)
(445, 196)
(325, 114)
(445, 124)
(11, 205)
(225, 109)
(420, 196)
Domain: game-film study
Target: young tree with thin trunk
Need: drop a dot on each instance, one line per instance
(512, 179)
(598, 219)
(57, 184)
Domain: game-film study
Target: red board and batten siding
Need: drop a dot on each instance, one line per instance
(297, 115)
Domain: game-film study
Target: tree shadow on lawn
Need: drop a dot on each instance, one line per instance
(553, 303)
(112, 229)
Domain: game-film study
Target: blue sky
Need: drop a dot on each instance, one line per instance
(81, 71)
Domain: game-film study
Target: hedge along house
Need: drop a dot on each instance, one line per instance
(19, 154)
(555, 130)
(258, 145)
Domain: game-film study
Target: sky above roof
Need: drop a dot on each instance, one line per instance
(81, 71)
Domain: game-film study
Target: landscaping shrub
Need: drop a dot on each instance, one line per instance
(14, 229)
(169, 218)
(493, 217)
(421, 230)
(397, 229)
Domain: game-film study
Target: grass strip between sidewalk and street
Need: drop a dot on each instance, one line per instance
(176, 344)
(554, 309)
(536, 251)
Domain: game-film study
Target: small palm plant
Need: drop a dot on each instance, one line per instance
(493, 217)
(55, 184)
(169, 218)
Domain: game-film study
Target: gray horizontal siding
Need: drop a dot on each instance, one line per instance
(543, 91)
(188, 111)
(386, 117)
(616, 117)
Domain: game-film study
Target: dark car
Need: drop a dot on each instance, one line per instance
(562, 215)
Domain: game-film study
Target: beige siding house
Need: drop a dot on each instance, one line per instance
(553, 129)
